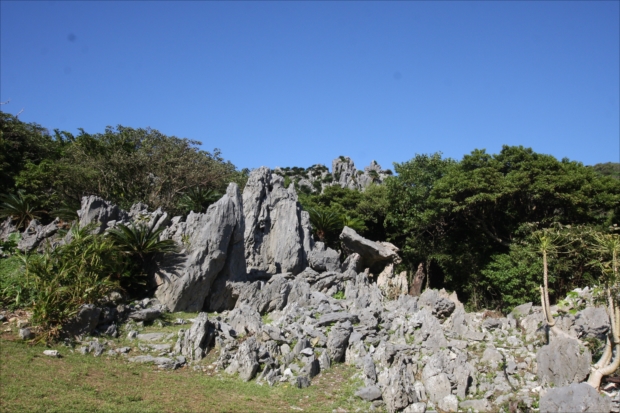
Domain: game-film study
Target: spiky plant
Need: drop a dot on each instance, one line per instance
(198, 199)
(353, 223)
(324, 222)
(20, 208)
(142, 246)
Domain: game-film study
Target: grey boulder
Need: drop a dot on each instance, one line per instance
(146, 314)
(83, 323)
(338, 340)
(194, 342)
(369, 393)
(35, 233)
(371, 252)
(578, 397)
(323, 259)
(562, 362)
(98, 212)
(245, 361)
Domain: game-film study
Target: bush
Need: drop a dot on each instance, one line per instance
(80, 272)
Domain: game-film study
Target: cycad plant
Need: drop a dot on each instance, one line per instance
(141, 246)
(20, 208)
(324, 222)
(353, 223)
(198, 199)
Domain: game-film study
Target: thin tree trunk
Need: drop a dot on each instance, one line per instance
(418, 279)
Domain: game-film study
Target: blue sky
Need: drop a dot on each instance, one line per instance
(298, 83)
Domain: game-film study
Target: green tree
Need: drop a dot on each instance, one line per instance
(126, 165)
(23, 144)
(461, 214)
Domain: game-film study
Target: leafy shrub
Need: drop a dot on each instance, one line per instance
(141, 247)
(80, 272)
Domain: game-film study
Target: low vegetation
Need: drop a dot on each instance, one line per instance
(33, 382)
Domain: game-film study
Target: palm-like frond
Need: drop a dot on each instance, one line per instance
(198, 199)
(324, 222)
(354, 223)
(19, 208)
(140, 241)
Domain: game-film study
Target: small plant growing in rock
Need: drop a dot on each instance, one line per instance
(339, 295)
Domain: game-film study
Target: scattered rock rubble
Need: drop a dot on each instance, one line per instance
(286, 309)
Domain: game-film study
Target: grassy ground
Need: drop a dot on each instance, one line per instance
(32, 382)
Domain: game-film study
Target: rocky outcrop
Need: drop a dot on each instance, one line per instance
(371, 252)
(277, 231)
(210, 251)
(6, 229)
(393, 285)
(35, 234)
(322, 258)
(100, 214)
(193, 343)
(578, 397)
(344, 174)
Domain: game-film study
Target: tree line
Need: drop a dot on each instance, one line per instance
(472, 223)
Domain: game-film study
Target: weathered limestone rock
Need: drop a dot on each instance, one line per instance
(578, 397)
(194, 343)
(146, 314)
(440, 306)
(435, 379)
(277, 231)
(370, 251)
(592, 322)
(245, 361)
(210, 253)
(322, 258)
(83, 323)
(344, 173)
(392, 285)
(155, 220)
(369, 393)
(35, 233)
(562, 362)
(99, 212)
(338, 340)
(399, 391)
(245, 320)
(6, 229)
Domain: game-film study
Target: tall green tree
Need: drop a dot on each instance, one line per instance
(462, 214)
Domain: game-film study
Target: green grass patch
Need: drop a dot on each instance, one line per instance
(30, 381)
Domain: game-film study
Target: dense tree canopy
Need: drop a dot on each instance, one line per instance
(122, 164)
(467, 217)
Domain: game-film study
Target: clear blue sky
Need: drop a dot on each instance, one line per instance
(297, 83)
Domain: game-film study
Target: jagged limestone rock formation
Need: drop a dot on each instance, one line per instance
(344, 174)
(100, 213)
(34, 235)
(277, 231)
(371, 252)
(210, 252)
